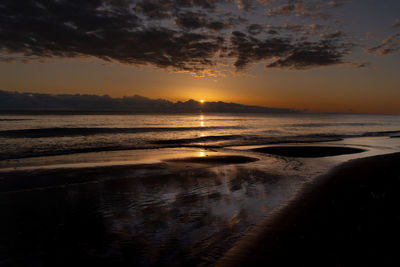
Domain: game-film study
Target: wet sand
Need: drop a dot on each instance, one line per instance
(166, 214)
(181, 208)
(21, 180)
(308, 151)
(349, 217)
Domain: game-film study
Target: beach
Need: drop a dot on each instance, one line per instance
(349, 217)
(227, 195)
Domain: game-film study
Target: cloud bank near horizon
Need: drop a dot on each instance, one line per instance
(197, 36)
(30, 102)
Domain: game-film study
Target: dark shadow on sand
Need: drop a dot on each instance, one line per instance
(165, 217)
(44, 178)
(22, 180)
(214, 160)
(308, 151)
(350, 217)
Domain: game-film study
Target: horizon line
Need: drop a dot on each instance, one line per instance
(199, 102)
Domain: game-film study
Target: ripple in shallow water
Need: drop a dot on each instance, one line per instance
(308, 151)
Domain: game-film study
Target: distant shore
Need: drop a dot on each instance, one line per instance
(49, 103)
(349, 217)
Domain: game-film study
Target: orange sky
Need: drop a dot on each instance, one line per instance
(336, 89)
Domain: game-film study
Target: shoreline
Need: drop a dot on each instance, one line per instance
(346, 217)
(358, 147)
(218, 197)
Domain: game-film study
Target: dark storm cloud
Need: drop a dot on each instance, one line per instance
(193, 35)
(311, 54)
(159, 9)
(294, 27)
(196, 20)
(332, 35)
(245, 4)
(247, 49)
(255, 29)
(155, 9)
(286, 53)
(311, 29)
(91, 28)
(313, 8)
(304, 30)
(296, 8)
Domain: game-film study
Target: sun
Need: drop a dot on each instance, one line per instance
(202, 101)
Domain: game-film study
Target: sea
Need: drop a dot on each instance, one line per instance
(49, 135)
(98, 190)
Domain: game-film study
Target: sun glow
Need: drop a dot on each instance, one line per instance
(202, 101)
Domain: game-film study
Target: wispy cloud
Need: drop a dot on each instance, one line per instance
(387, 46)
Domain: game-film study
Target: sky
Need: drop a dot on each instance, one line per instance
(316, 55)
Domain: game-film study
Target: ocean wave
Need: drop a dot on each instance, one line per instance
(199, 139)
(246, 140)
(51, 152)
(63, 132)
(333, 124)
(322, 136)
(16, 119)
(227, 119)
(382, 133)
(207, 142)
